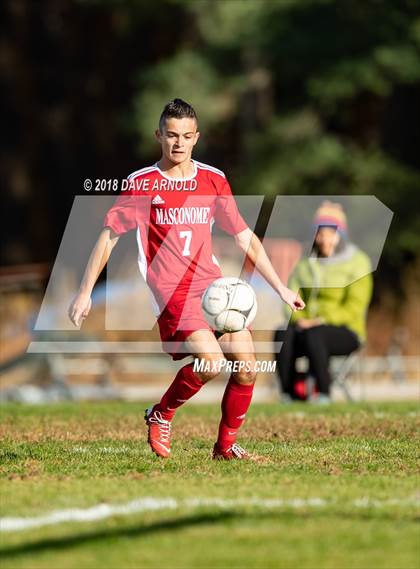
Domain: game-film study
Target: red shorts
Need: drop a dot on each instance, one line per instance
(177, 321)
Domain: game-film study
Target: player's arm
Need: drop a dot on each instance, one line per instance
(252, 246)
(81, 304)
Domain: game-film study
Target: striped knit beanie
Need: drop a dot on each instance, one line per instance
(331, 214)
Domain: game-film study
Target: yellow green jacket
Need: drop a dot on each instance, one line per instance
(322, 285)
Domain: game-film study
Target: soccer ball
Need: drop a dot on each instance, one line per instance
(229, 304)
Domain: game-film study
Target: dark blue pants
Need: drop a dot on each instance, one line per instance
(317, 344)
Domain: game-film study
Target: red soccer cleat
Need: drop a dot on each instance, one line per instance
(159, 436)
(234, 452)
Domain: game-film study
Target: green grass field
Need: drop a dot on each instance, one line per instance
(338, 488)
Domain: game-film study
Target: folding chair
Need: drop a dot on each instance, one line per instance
(341, 368)
(341, 372)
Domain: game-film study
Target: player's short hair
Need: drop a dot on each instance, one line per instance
(176, 109)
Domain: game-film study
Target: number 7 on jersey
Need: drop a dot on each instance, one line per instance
(187, 235)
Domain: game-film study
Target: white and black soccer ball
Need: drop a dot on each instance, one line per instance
(229, 304)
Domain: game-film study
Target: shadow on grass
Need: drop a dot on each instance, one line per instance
(59, 543)
(129, 532)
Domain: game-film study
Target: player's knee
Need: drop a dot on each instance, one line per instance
(246, 376)
(209, 368)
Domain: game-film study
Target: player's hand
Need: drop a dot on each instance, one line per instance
(79, 308)
(292, 299)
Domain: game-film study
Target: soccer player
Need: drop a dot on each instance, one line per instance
(172, 206)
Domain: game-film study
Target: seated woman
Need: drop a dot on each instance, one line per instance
(334, 319)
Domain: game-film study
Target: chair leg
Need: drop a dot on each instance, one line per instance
(344, 387)
(342, 374)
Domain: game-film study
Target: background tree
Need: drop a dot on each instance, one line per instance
(296, 97)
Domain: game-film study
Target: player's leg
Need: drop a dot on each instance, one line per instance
(237, 347)
(201, 344)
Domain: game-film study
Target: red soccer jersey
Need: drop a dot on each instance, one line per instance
(174, 218)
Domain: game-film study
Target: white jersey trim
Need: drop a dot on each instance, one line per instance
(162, 173)
(210, 168)
(142, 262)
(142, 171)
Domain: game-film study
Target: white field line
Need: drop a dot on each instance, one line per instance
(99, 512)
(150, 504)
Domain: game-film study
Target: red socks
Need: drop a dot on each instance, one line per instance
(235, 404)
(184, 386)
